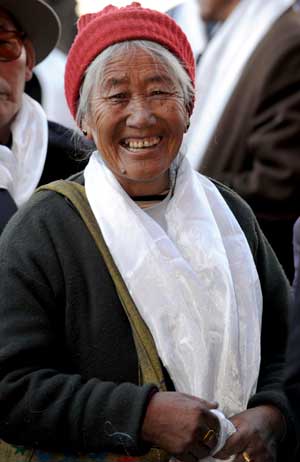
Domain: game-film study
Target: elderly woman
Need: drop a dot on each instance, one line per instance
(134, 297)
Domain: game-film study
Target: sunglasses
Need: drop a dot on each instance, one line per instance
(11, 43)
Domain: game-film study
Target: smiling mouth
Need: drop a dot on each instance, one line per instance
(137, 144)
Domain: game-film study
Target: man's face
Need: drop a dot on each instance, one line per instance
(216, 10)
(13, 75)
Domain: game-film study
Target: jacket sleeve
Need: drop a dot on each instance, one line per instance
(292, 382)
(7, 208)
(271, 180)
(277, 302)
(296, 247)
(45, 402)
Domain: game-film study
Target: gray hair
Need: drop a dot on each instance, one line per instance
(94, 72)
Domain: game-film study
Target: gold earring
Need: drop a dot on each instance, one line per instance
(84, 132)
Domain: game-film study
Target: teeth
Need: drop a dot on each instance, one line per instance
(140, 144)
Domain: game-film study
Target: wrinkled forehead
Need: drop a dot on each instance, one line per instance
(131, 55)
(7, 22)
(125, 64)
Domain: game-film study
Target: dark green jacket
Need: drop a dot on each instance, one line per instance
(68, 364)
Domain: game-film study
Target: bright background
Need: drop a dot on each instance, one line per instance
(89, 6)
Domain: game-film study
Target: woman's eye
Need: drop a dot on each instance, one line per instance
(118, 97)
(161, 93)
(158, 93)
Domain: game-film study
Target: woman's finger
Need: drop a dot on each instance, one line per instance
(254, 435)
(209, 430)
(209, 437)
(246, 456)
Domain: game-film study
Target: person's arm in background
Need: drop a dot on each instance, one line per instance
(292, 383)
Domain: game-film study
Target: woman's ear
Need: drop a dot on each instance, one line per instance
(30, 59)
(87, 132)
(86, 128)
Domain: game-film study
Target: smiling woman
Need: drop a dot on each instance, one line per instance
(132, 315)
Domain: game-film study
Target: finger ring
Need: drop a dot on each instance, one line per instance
(246, 457)
(209, 435)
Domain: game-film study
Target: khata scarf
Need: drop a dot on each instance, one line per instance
(196, 286)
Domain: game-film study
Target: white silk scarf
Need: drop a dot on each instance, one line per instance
(195, 286)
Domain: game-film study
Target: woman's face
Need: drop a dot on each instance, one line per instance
(137, 119)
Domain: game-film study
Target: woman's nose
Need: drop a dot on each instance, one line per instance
(140, 114)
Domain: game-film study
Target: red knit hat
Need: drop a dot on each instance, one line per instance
(112, 25)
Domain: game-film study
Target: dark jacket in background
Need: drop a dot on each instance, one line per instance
(63, 160)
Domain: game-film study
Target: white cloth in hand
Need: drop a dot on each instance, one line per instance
(226, 430)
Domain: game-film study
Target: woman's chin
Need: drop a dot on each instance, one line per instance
(143, 180)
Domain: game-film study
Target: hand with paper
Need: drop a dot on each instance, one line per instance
(258, 431)
(182, 425)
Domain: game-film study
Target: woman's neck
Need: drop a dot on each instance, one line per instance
(145, 188)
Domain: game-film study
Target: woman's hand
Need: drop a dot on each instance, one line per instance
(178, 423)
(258, 430)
